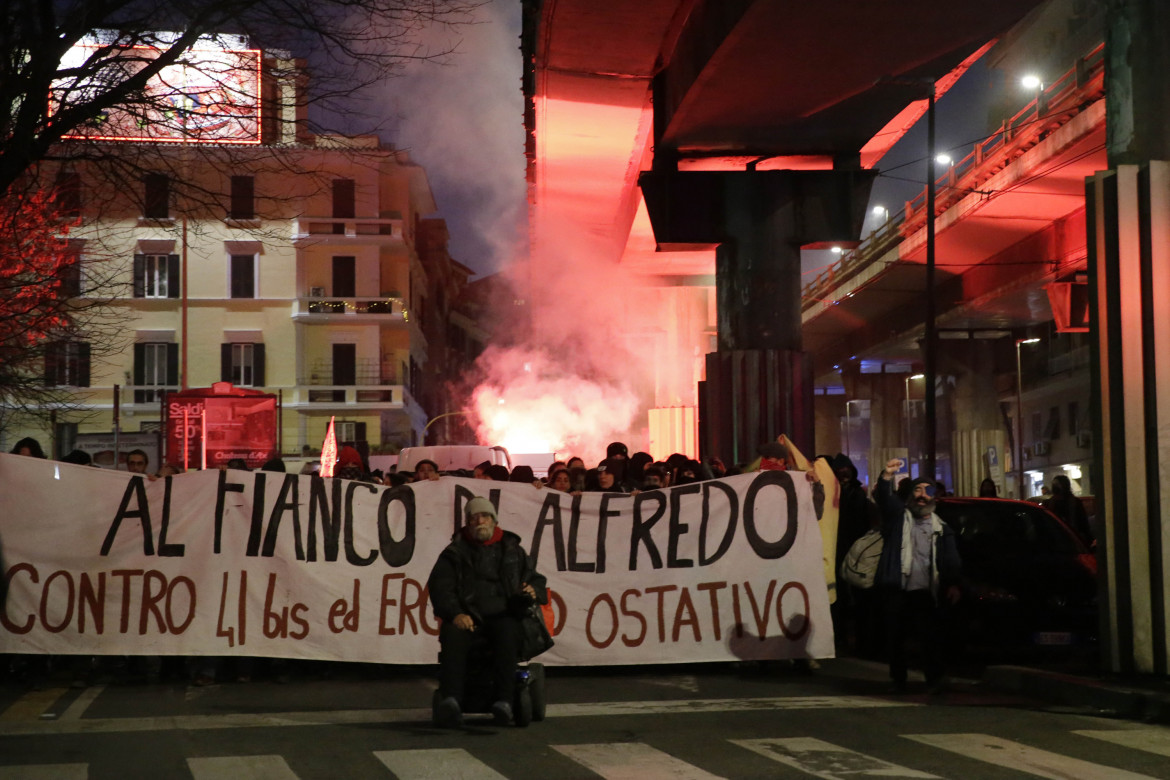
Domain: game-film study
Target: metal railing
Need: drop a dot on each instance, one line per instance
(1054, 105)
(348, 227)
(350, 306)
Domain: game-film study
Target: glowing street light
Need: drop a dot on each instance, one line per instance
(944, 159)
(1032, 81)
(1020, 420)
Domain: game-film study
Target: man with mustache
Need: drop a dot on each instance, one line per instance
(482, 584)
(918, 574)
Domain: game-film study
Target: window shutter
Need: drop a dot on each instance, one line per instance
(139, 364)
(139, 276)
(83, 365)
(360, 431)
(172, 276)
(343, 198)
(139, 372)
(52, 363)
(225, 362)
(172, 364)
(258, 365)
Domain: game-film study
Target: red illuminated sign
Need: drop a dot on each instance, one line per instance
(210, 96)
(240, 423)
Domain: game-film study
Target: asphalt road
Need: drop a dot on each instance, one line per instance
(646, 723)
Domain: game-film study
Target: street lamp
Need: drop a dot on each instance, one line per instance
(906, 415)
(436, 418)
(1020, 420)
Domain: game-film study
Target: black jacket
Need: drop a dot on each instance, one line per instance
(452, 581)
(945, 548)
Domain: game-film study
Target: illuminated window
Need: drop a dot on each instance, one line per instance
(243, 198)
(156, 276)
(67, 364)
(243, 276)
(156, 368)
(242, 364)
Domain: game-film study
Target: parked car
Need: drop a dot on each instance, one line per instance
(1030, 583)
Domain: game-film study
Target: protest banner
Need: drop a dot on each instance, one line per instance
(298, 566)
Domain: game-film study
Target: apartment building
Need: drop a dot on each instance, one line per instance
(288, 266)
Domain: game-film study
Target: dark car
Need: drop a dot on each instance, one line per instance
(1030, 583)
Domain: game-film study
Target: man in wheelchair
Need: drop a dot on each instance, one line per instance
(481, 586)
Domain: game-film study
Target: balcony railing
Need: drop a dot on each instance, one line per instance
(351, 307)
(349, 227)
(372, 382)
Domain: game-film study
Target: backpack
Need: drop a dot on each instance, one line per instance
(861, 562)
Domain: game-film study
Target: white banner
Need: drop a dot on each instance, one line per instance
(266, 564)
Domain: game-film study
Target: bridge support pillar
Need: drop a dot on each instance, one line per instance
(1128, 216)
(759, 382)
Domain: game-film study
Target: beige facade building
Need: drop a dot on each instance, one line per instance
(289, 268)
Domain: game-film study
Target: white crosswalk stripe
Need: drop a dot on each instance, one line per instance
(240, 768)
(1149, 740)
(45, 772)
(447, 763)
(632, 761)
(639, 761)
(826, 760)
(1022, 758)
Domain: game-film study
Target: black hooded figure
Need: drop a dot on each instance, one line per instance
(855, 613)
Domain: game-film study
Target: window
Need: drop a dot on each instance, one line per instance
(343, 198)
(67, 364)
(67, 194)
(349, 432)
(243, 276)
(65, 436)
(243, 198)
(242, 364)
(156, 202)
(71, 286)
(156, 276)
(344, 277)
(156, 365)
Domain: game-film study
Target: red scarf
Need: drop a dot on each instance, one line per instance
(497, 535)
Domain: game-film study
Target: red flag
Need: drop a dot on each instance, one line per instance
(329, 451)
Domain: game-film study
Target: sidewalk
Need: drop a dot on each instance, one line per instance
(1137, 698)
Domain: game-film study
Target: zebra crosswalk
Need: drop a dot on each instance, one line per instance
(806, 756)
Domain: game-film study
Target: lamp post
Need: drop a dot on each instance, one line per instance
(930, 358)
(906, 415)
(1020, 420)
(438, 417)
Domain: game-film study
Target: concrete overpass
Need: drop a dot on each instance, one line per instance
(798, 101)
(624, 92)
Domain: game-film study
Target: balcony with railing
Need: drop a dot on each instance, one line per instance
(368, 381)
(347, 230)
(321, 308)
